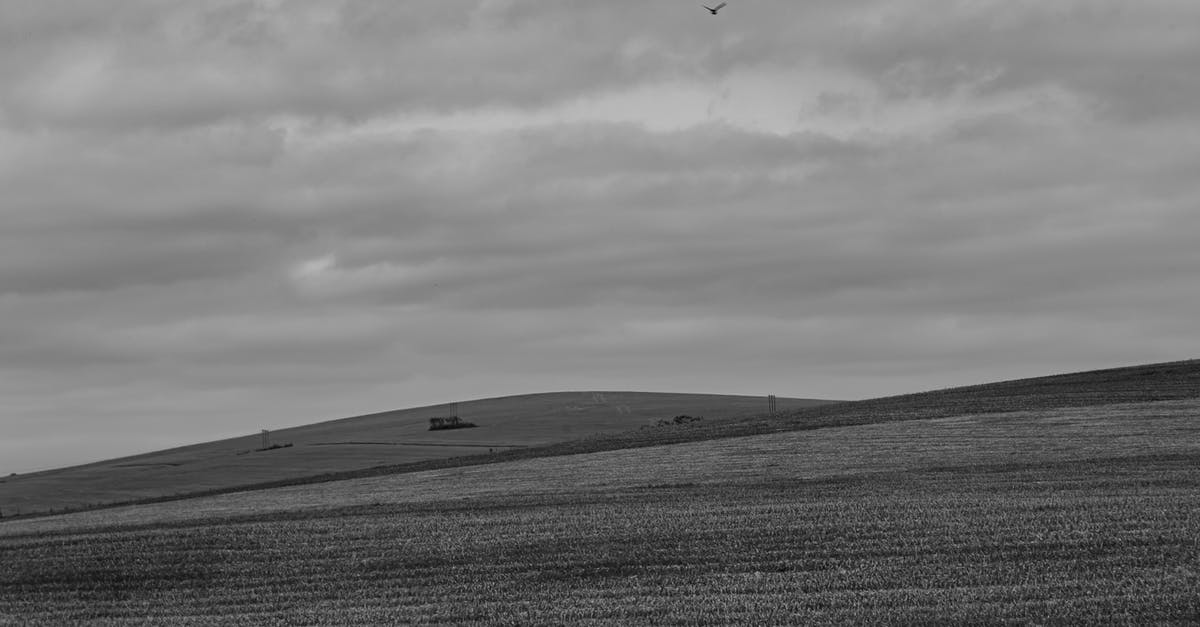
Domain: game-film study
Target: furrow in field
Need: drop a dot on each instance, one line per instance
(968, 547)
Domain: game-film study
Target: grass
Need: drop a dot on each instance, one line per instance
(1114, 431)
(352, 444)
(1116, 386)
(1083, 541)
(1054, 511)
(359, 447)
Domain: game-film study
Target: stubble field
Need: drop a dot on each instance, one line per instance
(1086, 541)
(1083, 514)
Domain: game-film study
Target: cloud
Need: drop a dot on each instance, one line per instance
(172, 64)
(267, 213)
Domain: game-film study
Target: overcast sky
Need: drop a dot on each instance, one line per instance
(222, 216)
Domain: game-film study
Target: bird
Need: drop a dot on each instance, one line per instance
(713, 10)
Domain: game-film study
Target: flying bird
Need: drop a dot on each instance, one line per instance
(713, 10)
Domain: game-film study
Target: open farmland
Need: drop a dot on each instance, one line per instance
(361, 442)
(1089, 541)
(597, 417)
(1112, 386)
(1073, 434)
(1065, 514)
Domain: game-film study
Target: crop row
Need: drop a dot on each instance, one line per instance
(1089, 542)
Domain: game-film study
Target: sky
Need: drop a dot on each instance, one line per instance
(223, 216)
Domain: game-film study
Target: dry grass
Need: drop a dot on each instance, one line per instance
(1127, 430)
(386, 439)
(1082, 542)
(562, 418)
(1053, 513)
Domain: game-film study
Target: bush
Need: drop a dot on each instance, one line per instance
(448, 422)
(677, 420)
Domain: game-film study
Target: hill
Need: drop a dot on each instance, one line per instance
(615, 429)
(1110, 386)
(1065, 499)
(392, 438)
(1096, 388)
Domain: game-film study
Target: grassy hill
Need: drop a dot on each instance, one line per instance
(1110, 386)
(542, 425)
(1096, 388)
(1066, 499)
(350, 444)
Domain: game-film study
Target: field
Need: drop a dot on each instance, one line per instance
(1058, 512)
(399, 437)
(1094, 541)
(540, 425)
(1134, 430)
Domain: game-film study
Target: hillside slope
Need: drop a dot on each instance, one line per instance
(348, 444)
(1071, 509)
(1132, 384)
(1148, 383)
(1125, 431)
(1128, 384)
